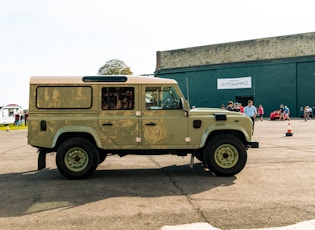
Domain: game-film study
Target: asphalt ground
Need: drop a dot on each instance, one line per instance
(276, 187)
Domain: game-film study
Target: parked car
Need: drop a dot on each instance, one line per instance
(275, 115)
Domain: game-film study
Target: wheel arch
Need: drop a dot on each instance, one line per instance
(237, 133)
(76, 131)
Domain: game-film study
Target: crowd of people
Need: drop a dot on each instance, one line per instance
(258, 113)
(238, 107)
(249, 110)
(305, 112)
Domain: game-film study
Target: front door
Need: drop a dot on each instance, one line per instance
(163, 121)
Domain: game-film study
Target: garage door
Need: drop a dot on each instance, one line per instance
(306, 84)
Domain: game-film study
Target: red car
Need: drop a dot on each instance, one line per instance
(275, 115)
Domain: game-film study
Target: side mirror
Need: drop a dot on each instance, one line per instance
(184, 106)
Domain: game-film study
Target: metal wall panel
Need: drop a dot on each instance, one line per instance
(290, 82)
(305, 84)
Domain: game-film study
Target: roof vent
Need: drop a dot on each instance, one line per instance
(104, 79)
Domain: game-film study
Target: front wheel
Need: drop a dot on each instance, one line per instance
(77, 158)
(225, 155)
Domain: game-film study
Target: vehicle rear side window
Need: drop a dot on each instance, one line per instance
(64, 97)
(118, 98)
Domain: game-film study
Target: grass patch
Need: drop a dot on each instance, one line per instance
(12, 127)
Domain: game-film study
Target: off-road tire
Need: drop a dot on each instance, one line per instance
(225, 155)
(77, 158)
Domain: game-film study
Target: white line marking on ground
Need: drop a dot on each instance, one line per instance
(305, 225)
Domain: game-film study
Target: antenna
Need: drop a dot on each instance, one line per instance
(187, 89)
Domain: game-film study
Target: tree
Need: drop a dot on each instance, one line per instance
(114, 67)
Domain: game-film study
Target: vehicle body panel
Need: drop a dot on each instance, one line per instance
(60, 105)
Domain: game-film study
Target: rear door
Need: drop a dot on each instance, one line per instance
(118, 117)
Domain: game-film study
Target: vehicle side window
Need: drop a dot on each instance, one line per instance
(118, 98)
(64, 97)
(162, 98)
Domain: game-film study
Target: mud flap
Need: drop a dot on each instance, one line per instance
(41, 158)
(191, 163)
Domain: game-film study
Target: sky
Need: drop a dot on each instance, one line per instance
(77, 37)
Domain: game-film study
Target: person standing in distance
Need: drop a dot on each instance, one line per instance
(251, 111)
(261, 112)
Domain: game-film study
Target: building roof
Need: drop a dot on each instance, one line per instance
(297, 45)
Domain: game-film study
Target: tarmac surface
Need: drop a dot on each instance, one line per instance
(275, 189)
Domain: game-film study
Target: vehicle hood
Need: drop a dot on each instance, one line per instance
(211, 111)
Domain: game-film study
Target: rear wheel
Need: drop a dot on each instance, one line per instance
(77, 158)
(225, 155)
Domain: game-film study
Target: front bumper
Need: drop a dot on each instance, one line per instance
(253, 144)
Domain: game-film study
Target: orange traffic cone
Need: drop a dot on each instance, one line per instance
(289, 132)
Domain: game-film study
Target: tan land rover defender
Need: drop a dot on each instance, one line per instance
(86, 118)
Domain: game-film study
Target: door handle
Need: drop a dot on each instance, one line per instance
(107, 124)
(150, 124)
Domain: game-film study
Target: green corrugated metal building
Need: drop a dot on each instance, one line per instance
(271, 71)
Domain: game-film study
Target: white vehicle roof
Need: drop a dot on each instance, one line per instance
(100, 79)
